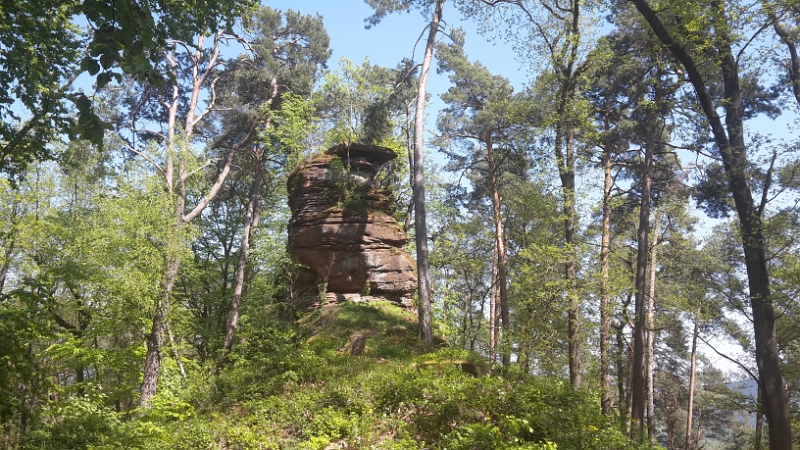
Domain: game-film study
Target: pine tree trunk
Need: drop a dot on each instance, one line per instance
(500, 248)
(420, 220)
(638, 382)
(623, 381)
(493, 314)
(692, 369)
(629, 390)
(605, 297)
(651, 415)
(729, 138)
(566, 163)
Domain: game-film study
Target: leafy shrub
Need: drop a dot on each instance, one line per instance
(263, 364)
(79, 423)
(190, 435)
(328, 422)
(453, 410)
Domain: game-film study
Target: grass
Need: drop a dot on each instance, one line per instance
(391, 331)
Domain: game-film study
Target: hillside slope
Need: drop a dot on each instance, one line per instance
(298, 387)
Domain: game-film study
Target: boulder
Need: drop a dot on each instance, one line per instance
(343, 230)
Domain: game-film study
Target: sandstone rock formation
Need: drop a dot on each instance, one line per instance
(343, 230)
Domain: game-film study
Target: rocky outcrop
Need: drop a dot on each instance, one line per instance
(343, 231)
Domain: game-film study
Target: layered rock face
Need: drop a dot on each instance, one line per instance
(343, 229)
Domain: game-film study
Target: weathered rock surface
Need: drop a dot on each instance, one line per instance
(343, 229)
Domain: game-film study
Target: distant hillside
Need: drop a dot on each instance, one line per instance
(750, 389)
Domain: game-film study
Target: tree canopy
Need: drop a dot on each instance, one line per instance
(604, 234)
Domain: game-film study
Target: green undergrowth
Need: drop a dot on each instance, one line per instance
(294, 387)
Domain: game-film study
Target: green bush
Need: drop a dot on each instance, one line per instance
(284, 390)
(80, 423)
(451, 409)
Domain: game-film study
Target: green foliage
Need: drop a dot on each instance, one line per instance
(40, 47)
(22, 322)
(292, 387)
(365, 103)
(43, 50)
(469, 412)
(349, 189)
(265, 360)
(293, 124)
(82, 423)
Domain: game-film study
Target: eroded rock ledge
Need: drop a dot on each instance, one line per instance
(343, 228)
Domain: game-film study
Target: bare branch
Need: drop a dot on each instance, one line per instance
(211, 103)
(146, 158)
(212, 192)
(767, 184)
(741, 366)
(187, 175)
(517, 3)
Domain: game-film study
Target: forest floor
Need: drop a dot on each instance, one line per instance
(299, 387)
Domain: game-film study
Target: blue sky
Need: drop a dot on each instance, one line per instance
(393, 39)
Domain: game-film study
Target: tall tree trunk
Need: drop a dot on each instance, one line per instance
(420, 220)
(410, 152)
(793, 68)
(155, 340)
(629, 389)
(566, 166)
(651, 415)
(729, 139)
(500, 247)
(176, 188)
(692, 369)
(175, 351)
(605, 296)
(247, 232)
(640, 282)
(565, 63)
(622, 380)
(759, 422)
(493, 313)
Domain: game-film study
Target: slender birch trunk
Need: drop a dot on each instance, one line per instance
(175, 185)
(247, 234)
